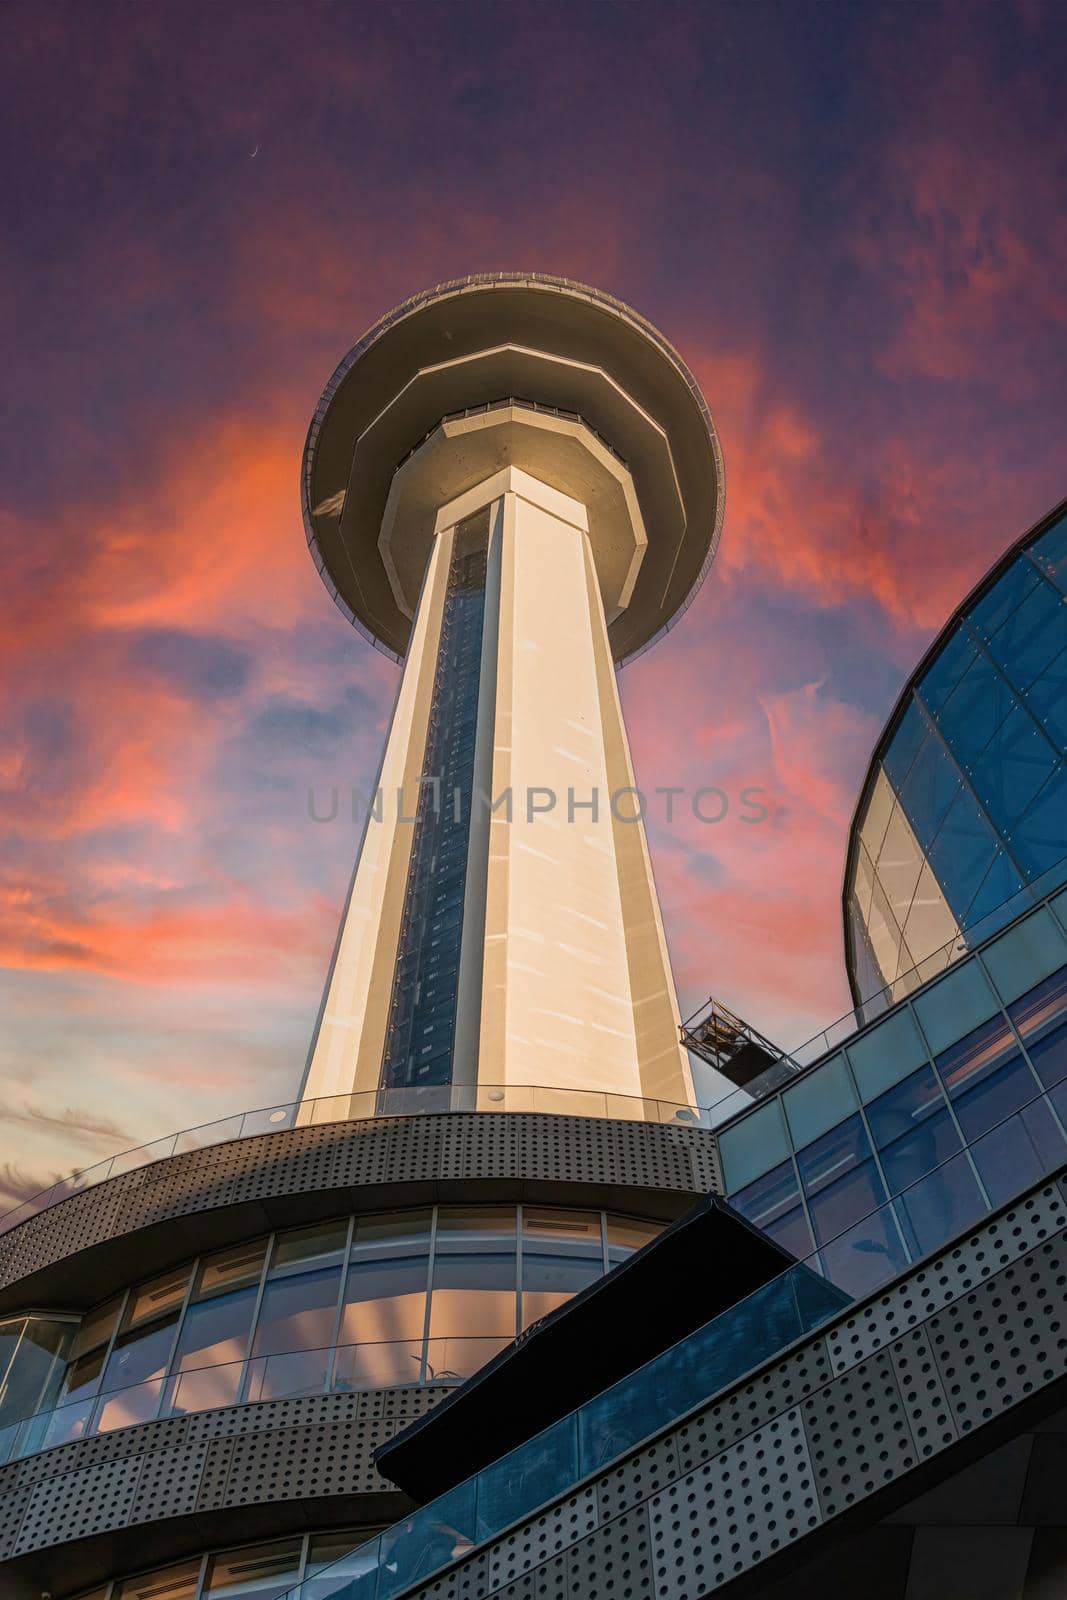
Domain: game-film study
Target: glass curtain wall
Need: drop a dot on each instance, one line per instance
(967, 803)
(977, 1059)
(393, 1298)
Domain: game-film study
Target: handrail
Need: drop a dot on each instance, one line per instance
(375, 1104)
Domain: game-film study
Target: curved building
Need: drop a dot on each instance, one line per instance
(960, 821)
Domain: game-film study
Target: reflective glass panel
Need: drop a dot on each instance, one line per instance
(940, 1205)
(385, 1300)
(928, 791)
(336, 1565)
(773, 1204)
(1038, 842)
(216, 1325)
(976, 710)
(909, 735)
(474, 1295)
(261, 1572)
(950, 1008)
(961, 853)
(943, 674)
(822, 1098)
(298, 1310)
(1049, 550)
(886, 1053)
(35, 1368)
(627, 1234)
(143, 1353)
(1034, 633)
(753, 1145)
(987, 1077)
(1047, 699)
(1026, 953)
(840, 1179)
(562, 1254)
(1011, 770)
(996, 605)
(96, 1327)
(912, 1128)
(1018, 1151)
(153, 1299)
(1041, 1018)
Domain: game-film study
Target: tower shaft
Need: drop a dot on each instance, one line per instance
(503, 928)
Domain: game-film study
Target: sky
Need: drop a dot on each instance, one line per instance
(851, 221)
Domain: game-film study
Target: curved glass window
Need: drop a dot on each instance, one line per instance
(249, 1572)
(391, 1299)
(972, 785)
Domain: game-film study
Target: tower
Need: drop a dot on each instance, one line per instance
(513, 485)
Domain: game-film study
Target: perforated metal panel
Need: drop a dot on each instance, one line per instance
(615, 1562)
(748, 1503)
(1000, 1240)
(361, 1164)
(960, 1340)
(923, 1393)
(858, 1434)
(281, 1452)
(752, 1404)
(543, 1536)
(550, 1581)
(999, 1344)
(636, 1478)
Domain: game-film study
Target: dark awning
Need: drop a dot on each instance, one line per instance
(698, 1267)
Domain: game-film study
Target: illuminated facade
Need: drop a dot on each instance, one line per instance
(555, 499)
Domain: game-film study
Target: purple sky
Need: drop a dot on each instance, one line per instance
(850, 219)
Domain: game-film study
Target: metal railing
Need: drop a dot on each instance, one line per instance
(373, 1104)
(286, 1375)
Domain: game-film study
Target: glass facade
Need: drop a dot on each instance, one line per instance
(944, 1108)
(422, 1018)
(392, 1298)
(34, 1352)
(965, 809)
(250, 1572)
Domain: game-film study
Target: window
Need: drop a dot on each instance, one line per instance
(986, 1077)
(297, 1319)
(262, 1573)
(418, 1296)
(329, 1562)
(562, 1252)
(215, 1329)
(473, 1296)
(840, 1179)
(912, 1128)
(918, 1143)
(170, 1583)
(1013, 1134)
(773, 1204)
(1041, 1018)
